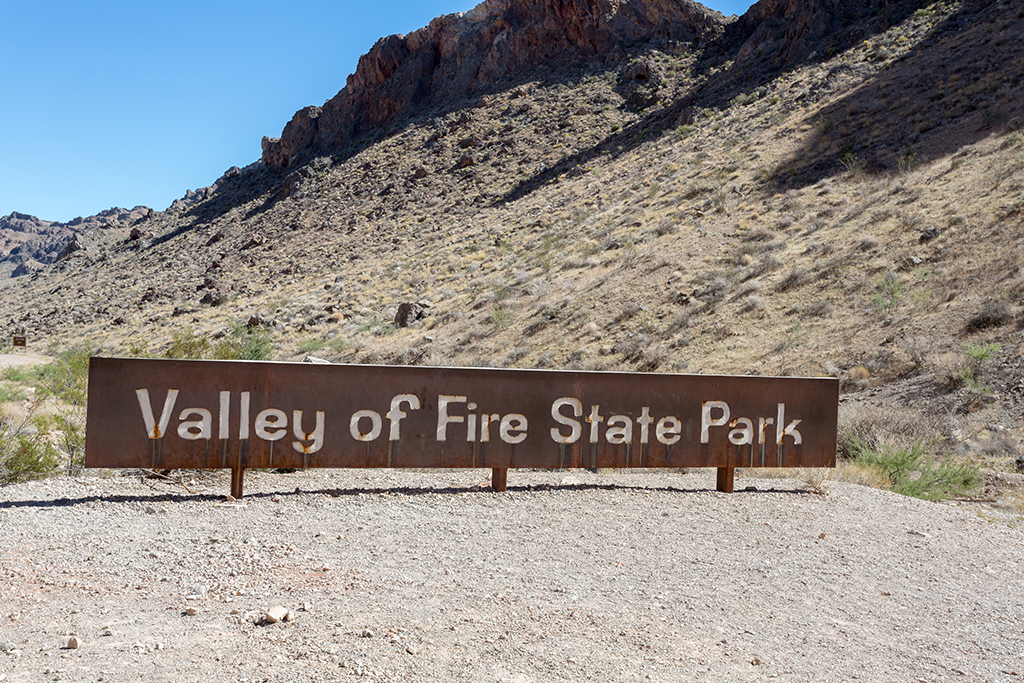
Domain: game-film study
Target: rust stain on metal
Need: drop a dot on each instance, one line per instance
(202, 414)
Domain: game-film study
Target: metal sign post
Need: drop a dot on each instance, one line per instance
(232, 414)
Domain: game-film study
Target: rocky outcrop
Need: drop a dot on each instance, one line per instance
(785, 32)
(459, 54)
(28, 243)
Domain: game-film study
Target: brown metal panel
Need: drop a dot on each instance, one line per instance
(233, 414)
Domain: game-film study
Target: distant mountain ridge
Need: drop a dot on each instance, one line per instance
(28, 243)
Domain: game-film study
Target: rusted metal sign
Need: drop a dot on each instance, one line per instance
(231, 414)
(20, 341)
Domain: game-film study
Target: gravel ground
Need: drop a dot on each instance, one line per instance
(569, 576)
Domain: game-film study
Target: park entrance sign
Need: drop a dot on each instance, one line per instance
(237, 414)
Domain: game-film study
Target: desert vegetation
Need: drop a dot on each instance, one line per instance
(843, 216)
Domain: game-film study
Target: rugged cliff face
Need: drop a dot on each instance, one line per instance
(785, 32)
(459, 54)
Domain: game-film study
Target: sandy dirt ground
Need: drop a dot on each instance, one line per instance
(568, 576)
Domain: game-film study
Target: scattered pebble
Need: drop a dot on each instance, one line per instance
(276, 614)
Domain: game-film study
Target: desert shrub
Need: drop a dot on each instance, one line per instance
(241, 343)
(59, 438)
(754, 303)
(796, 278)
(501, 315)
(244, 343)
(186, 344)
(312, 344)
(11, 392)
(25, 458)
(22, 373)
(869, 426)
(994, 312)
(971, 371)
(765, 264)
(67, 378)
(911, 472)
(888, 293)
(822, 309)
(759, 235)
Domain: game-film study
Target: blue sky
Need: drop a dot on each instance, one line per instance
(116, 103)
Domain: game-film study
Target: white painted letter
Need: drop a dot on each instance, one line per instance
(573, 425)
(622, 434)
(316, 436)
(243, 427)
(396, 414)
(644, 421)
(595, 418)
(271, 424)
(741, 436)
(443, 418)
(204, 424)
(225, 414)
(353, 425)
(790, 429)
(485, 425)
(152, 430)
(668, 426)
(762, 423)
(513, 422)
(705, 417)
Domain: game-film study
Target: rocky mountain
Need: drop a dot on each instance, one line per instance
(28, 243)
(477, 52)
(815, 188)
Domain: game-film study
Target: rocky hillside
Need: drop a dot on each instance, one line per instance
(813, 188)
(468, 55)
(28, 243)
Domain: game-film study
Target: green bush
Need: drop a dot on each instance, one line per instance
(58, 439)
(913, 473)
(22, 373)
(186, 344)
(67, 378)
(25, 458)
(971, 375)
(312, 344)
(10, 393)
(242, 343)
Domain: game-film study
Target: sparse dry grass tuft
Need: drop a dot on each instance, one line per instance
(1016, 501)
(853, 472)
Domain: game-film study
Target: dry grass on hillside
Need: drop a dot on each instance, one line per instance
(858, 217)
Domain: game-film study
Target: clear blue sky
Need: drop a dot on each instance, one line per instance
(117, 103)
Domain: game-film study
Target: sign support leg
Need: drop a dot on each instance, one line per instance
(236, 482)
(499, 478)
(726, 475)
